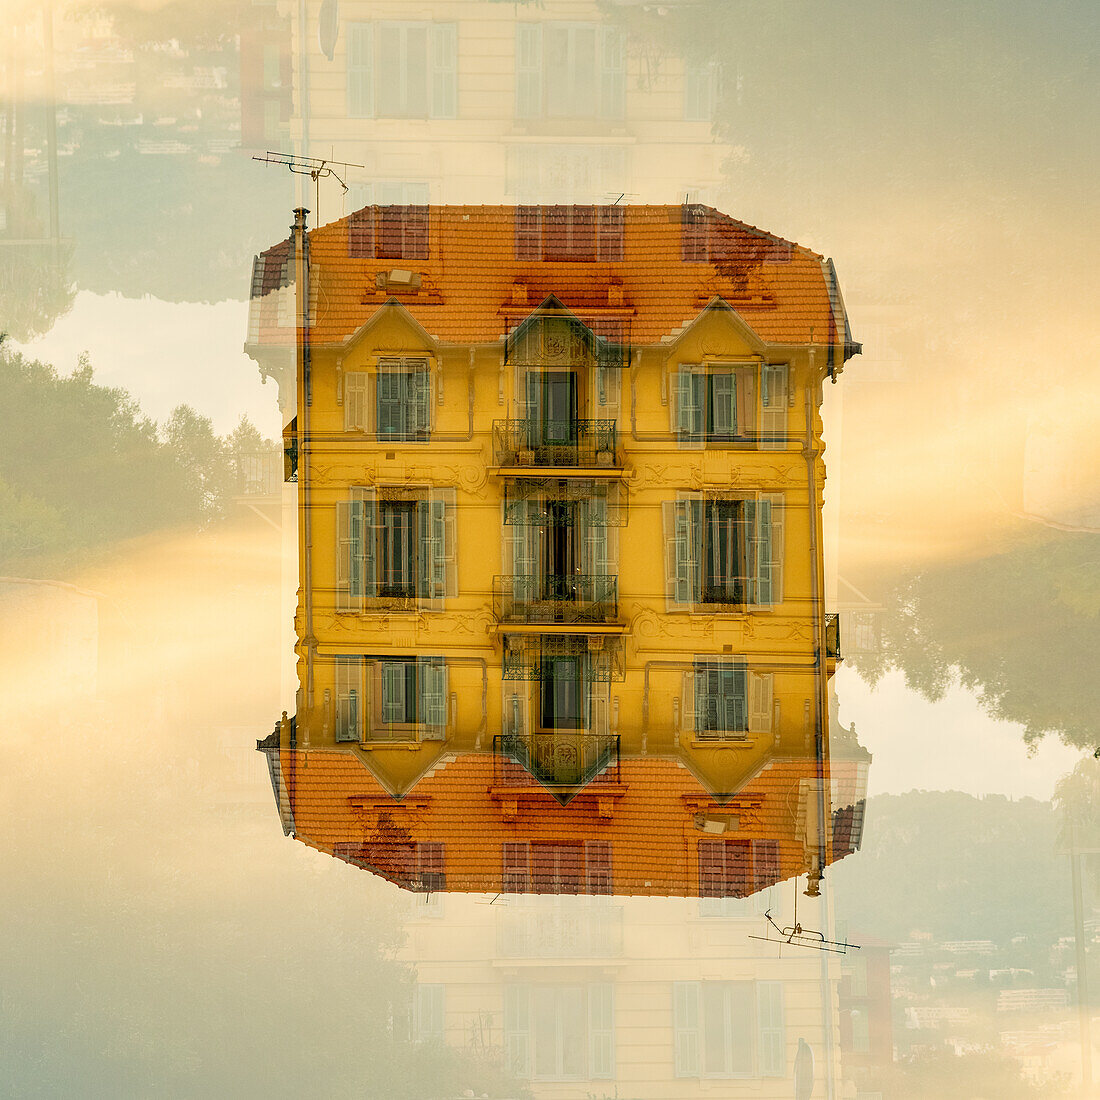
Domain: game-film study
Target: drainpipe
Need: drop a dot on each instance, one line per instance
(821, 716)
(305, 397)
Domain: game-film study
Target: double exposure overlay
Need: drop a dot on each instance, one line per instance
(548, 550)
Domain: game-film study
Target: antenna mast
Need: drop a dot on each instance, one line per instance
(315, 168)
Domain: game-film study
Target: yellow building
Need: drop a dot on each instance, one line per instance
(559, 479)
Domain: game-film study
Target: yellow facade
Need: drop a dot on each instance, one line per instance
(651, 634)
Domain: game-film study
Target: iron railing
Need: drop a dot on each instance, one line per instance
(555, 443)
(556, 598)
(561, 758)
(832, 636)
(526, 931)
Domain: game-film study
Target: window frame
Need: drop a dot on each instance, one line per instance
(367, 78)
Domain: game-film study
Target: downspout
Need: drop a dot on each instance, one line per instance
(305, 398)
(813, 888)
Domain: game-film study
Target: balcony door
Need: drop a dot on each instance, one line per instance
(552, 408)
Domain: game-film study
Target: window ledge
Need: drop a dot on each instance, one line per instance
(743, 741)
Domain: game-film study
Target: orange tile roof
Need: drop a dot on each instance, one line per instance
(647, 816)
(475, 285)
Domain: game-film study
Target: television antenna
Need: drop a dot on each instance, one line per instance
(314, 167)
(794, 935)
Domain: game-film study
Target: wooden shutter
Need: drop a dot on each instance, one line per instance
(688, 689)
(429, 1013)
(771, 1030)
(746, 400)
(723, 403)
(516, 867)
(349, 702)
(760, 702)
(609, 243)
(360, 75)
(765, 864)
(356, 401)
(612, 72)
(732, 716)
(595, 521)
(712, 868)
(687, 411)
(764, 521)
(433, 701)
(528, 233)
(528, 70)
(517, 1029)
(361, 234)
(351, 536)
(393, 691)
(420, 404)
(601, 1029)
(444, 47)
(685, 1028)
(773, 404)
(597, 866)
(369, 543)
(688, 544)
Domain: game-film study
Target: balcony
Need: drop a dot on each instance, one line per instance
(571, 598)
(541, 444)
(561, 758)
(537, 932)
(832, 638)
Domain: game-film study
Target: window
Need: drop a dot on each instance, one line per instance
(728, 1029)
(428, 1019)
(722, 699)
(721, 550)
(552, 868)
(396, 232)
(393, 404)
(702, 86)
(402, 70)
(569, 233)
(570, 70)
(559, 1032)
(393, 699)
(714, 404)
(564, 693)
(395, 549)
(737, 867)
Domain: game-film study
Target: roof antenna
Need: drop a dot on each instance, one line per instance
(794, 935)
(313, 167)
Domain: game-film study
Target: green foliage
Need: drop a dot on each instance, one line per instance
(958, 867)
(1012, 627)
(81, 467)
(979, 1076)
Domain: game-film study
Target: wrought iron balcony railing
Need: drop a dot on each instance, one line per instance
(832, 636)
(533, 932)
(556, 598)
(562, 758)
(544, 443)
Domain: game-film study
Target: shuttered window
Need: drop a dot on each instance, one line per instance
(570, 70)
(404, 401)
(402, 70)
(724, 551)
(727, 1029)
(556, 1032)
(429, 1013)
(720, 699)
(774, 401)
(391, 698)
(713, 404)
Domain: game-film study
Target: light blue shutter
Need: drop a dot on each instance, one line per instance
(688, 540)
(612, 73)
(348, 553)
(759, 523)
(723, 397)
(360, 70)
(601, 1030)
(528, 70)
(706, 700)
(596, 518)
(685, 1028)
(517, 1029)
(524, 552)
(348, 687)
(369, 543)
(355, 401)
(432, 711)
(393, 691)
(771, 1030)
(391, 404)
(429, 1013)
(420, 411)
(773, 400)
(732, 707)
(689, 411)
(444, 46)
(436, 516)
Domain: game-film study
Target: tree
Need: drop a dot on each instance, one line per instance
(1013, 627)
